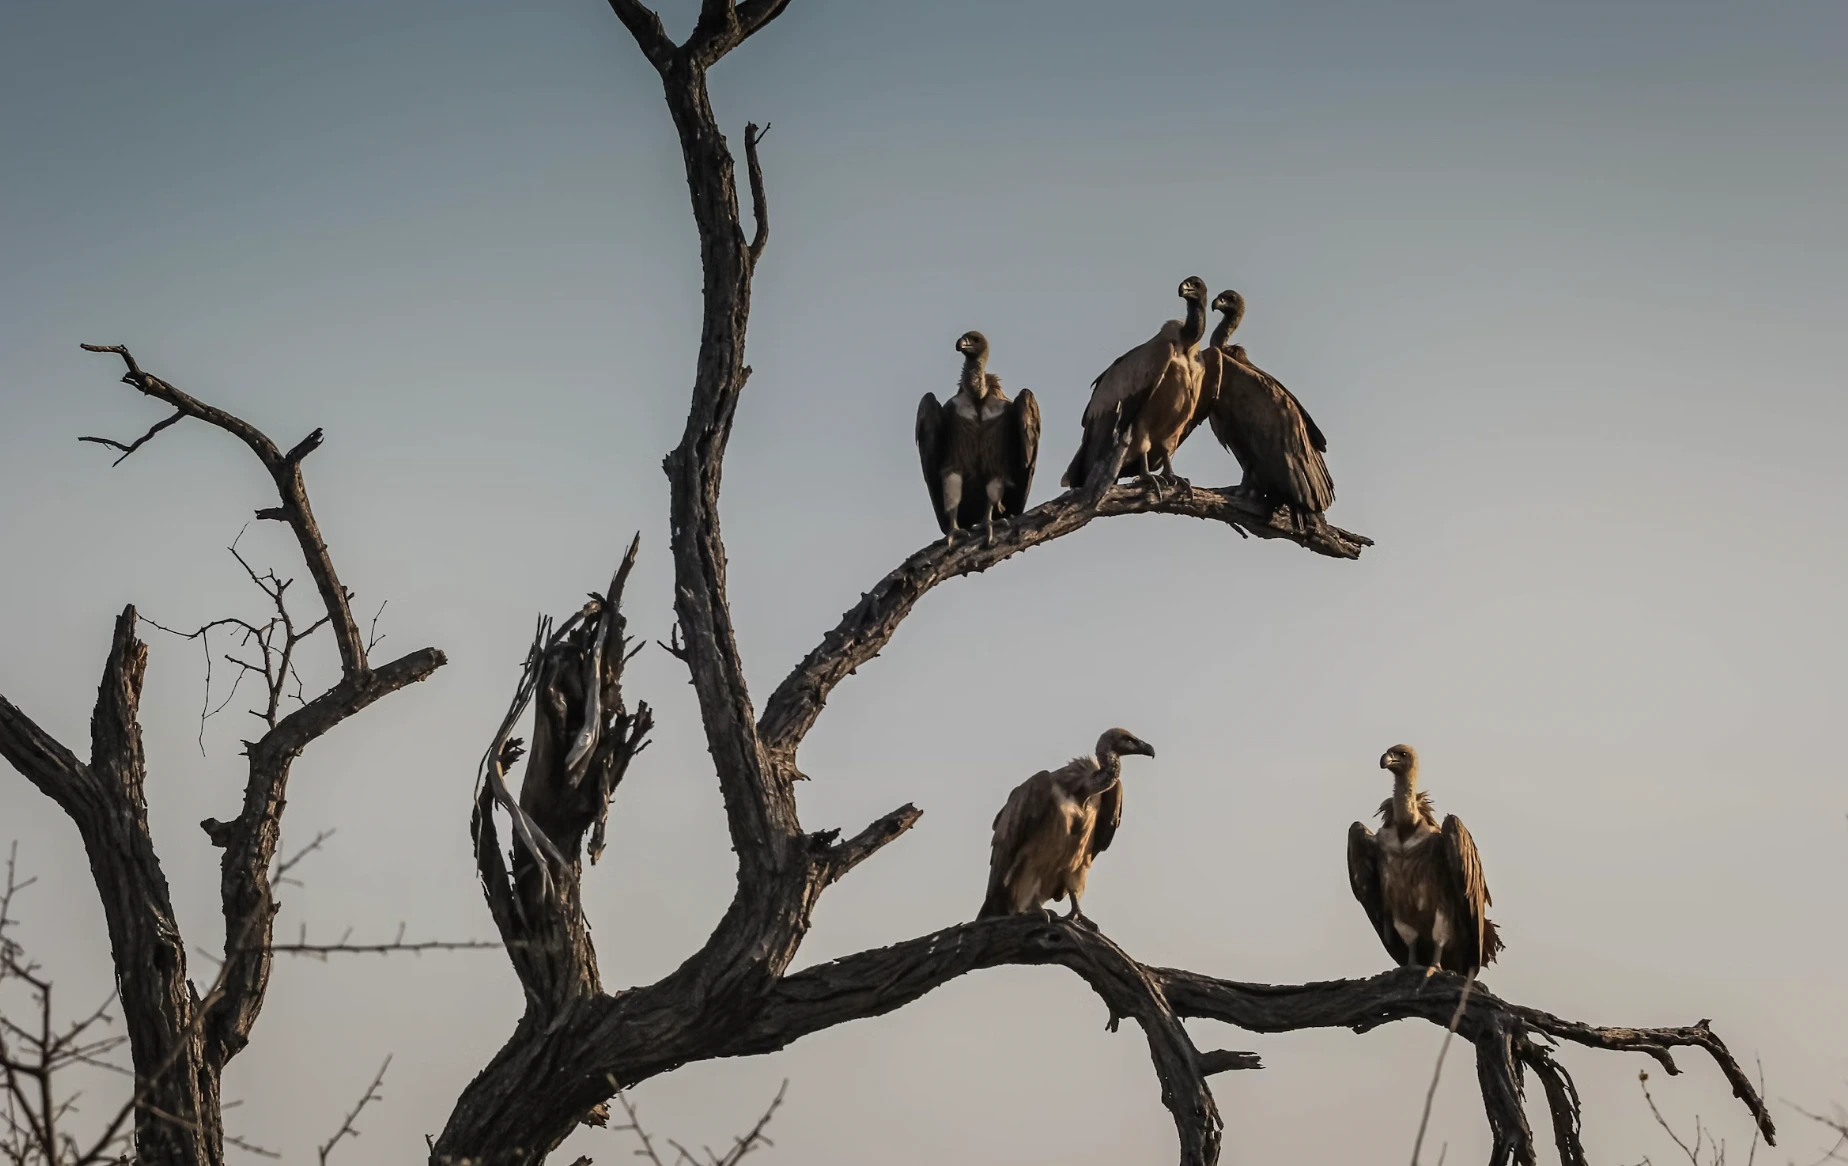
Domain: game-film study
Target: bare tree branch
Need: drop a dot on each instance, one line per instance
(1437, 1071)
(870, 624)
(347, 1129)
(181, 1042)
(286, 471)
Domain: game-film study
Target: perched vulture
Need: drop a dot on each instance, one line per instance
(1262, 423)
(978, 448)
(1054, 825)
(1420, 882)
(1151, 392)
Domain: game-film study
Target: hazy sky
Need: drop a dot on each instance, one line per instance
(1561, 282)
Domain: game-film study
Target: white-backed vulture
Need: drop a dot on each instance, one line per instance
(1151, 392)
(1054, 825)
(1421, 883)
(978, 448)
(1276, 442)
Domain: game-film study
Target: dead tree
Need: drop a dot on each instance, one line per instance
(577, 1044)
(181, 1041)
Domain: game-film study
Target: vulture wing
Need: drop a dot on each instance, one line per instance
(931, 451)
(1023, 452)
(1134, 373)
(1025, 813)
(1364, 859)
(1109, 817)
(1117, 396)
(1469, 895)
(1262, 424)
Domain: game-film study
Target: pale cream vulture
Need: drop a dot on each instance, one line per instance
(978, 449)
(1054, 826)
(1421, 883)
(1151, 393)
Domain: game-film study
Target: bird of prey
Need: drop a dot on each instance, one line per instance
(1277, 444)
(1149, 393)
(1421, 883)
(978, 448)
(1054, 826)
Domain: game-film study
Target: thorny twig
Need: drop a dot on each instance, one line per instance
(33, 1053)
(741, 1145)
(275, 642)
(1703, 1137)
(347, 1129)
(1437, 1072)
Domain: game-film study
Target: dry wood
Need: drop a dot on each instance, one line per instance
(179, 1042)
(577, 1045)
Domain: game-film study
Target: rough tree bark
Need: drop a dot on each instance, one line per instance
(180, 1041)
(577, 1045)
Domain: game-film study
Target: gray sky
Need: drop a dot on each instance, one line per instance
(1558, 281)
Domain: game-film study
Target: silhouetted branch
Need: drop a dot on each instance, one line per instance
(1437, 1071)
(741, 1145)
(347, 1129)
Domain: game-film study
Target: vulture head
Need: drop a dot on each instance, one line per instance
(1193, 288)
(1402, 760)
(973, 344)
(1232, 304)
(1123, 743)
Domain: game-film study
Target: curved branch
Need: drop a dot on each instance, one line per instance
(870, 624)
(882, 980)
(285, 470)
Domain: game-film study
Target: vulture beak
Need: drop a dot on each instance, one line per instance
(1386, 760)
(1142, 747)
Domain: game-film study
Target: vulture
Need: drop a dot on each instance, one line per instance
(978, 448)
(1421, 883)
(1265, 427)
(1151, 392)
(1054, 826)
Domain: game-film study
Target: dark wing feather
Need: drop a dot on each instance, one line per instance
(1363, 858)
(1469, 895)
(1023, 814)
(930, 438)
(1265, 427)
(1023, 453)
(1109, 817)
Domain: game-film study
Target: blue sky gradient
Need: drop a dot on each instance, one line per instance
(1562, 283)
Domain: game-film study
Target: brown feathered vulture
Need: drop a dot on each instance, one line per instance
(1151, 393)
(978, 449)
(1421, 883)
(1276, 442)
(1054, 825)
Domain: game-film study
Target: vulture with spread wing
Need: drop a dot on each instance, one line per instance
(1150, 393)
(978, 448)
(1421, 883)
(1276, 442)
(1054, 826)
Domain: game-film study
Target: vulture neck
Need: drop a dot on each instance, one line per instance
(974, 376)
(1109, 768)
(1194, 326)
(1228, 324)
(1405, 798)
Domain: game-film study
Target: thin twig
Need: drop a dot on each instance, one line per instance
(1437, 1072)
(347, 1129)
(1642, 1078)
